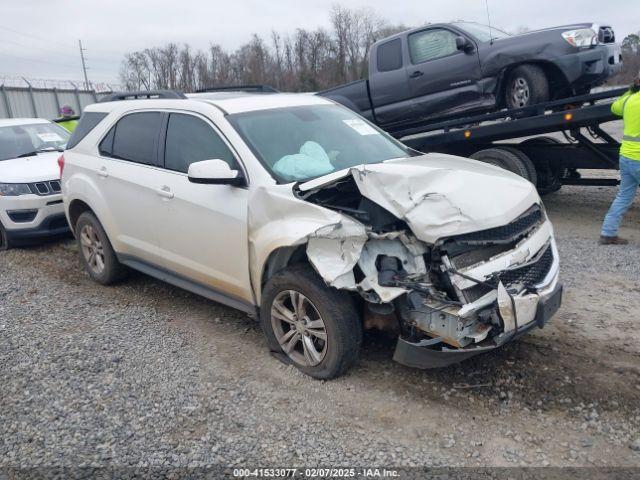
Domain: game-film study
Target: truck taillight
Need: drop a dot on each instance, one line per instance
(61, 164)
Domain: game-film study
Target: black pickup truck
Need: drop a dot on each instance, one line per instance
(453, 69)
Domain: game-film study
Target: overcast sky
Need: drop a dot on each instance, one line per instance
(39, 38)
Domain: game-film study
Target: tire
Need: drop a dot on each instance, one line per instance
(4, 239)
(548, 175)
(501, 157)
(334, 309)
(526, 85)
(103, 266)
(532, 174)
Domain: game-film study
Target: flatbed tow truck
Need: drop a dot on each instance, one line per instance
(518, 140)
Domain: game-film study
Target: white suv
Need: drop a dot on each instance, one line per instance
(30, 196)
(299, 212)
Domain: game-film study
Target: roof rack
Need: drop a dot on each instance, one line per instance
(143, 94)
(240, 88)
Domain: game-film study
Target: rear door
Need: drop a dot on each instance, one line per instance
(389, 88)
(129, 176)
(204, 227)
(442, 79)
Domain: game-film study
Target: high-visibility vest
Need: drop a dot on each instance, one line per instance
(628, 107)
(69, 125)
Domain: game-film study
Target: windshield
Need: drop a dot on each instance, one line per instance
(481, 32)
(301, 143)
(29, 139)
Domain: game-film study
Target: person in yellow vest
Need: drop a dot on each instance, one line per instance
(68, 119)
(627, 107)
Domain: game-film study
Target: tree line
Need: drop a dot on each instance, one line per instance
(303, 61)
(306, 60)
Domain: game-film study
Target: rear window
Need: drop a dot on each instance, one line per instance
(390, 56)
(135, 137)
(88, 122)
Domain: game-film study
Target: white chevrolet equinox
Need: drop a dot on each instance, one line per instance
(301, 213)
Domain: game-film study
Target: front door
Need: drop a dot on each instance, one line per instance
(442, 79)
(204, 227)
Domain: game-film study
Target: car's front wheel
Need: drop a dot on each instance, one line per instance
(526, 85)
(4, 239)
(314, 326)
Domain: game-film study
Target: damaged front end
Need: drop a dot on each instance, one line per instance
(452, 296)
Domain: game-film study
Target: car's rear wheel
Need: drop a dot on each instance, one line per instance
(526, 85)
(307, 323)
(96, 253)
(4, 239)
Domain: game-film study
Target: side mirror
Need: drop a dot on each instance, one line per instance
(214, 172)
(464, 44)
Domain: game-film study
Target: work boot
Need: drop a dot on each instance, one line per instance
(604, 240)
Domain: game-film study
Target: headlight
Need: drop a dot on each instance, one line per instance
(585, 37)
(14, 189)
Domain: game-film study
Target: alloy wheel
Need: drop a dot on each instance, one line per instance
(92, 249)
(299, 328)
(520, 92)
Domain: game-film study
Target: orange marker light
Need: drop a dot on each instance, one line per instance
(467, 134)
(568, 117)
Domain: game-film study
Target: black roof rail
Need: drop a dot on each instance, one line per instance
(240, 88)
(143, 94)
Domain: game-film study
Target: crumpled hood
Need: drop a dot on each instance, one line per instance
(40, 167)
(440, 195)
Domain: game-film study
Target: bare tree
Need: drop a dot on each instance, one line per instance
(305, 60)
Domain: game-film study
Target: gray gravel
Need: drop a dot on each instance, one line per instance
(144, 374)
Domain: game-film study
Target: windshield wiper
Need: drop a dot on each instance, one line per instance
(36, 152)
(28, 154)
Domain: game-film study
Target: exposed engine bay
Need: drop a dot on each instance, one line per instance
(465, 292)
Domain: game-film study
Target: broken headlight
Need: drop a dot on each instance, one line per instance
(584, 37)
(14, 189)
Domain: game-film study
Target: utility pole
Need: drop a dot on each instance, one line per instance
(84, 67)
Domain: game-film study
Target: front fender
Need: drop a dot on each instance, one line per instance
(278, 219)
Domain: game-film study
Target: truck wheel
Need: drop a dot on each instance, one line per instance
(548, 175)
(532, 175)
(315, 326)
(96, 253)
(502, 158)
(4, 239)
(526, 85)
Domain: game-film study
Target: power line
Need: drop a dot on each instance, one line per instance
(48, 41)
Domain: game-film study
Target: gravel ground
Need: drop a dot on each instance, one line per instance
(144, 374)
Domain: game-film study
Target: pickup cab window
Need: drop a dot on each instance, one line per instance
(390, 56)
(431, 44)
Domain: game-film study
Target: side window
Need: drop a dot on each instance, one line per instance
(190, 139)
(431, 44)
(106, 145)
(390, 56)
(135, 137)
(87, 122)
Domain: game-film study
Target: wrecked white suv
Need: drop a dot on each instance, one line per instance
(297, 211)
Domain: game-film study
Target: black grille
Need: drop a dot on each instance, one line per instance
(54, 185)
(507, 233)
(532, 274)
(22, 216)
(50, 187)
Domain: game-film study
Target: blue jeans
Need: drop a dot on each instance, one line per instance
(629, 181)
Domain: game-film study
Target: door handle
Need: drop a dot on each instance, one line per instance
(165, 192)
(103, 172)
(416, 74)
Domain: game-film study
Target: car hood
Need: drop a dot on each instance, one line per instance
(40, 167)
(439, 195)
